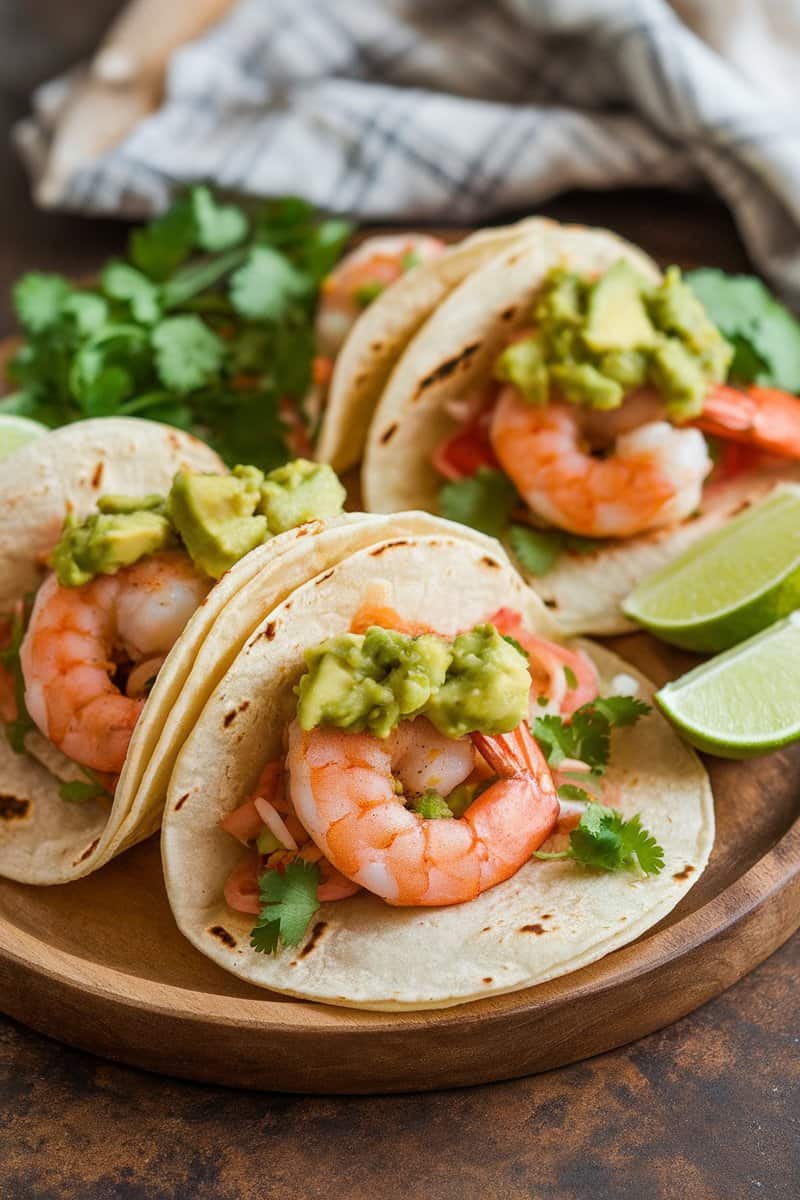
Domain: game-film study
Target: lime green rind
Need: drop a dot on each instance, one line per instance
(745, 702)
(731, 584)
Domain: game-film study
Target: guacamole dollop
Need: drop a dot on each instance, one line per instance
(106, 542)
(216, 518)
(370, 682)
(596, 340)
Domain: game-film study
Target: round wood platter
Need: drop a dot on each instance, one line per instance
(100, 964)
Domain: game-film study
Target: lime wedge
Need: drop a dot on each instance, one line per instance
(16, 431)
(744, 702)
(729, 585)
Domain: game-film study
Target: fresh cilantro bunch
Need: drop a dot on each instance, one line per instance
(487, 501)
(207, 325)
(288, 902)
(605, 840)
(764, 334)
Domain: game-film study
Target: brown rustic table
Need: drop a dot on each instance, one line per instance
(708, 1109)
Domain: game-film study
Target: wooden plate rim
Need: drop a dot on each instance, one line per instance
(774, 873)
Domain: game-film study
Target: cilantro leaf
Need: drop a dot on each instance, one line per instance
(536, 550)
(571, 791)
(484, 501)
(188, 354)
(266, 283)
(766, 336)
(217, 226)
(79, 791)
(123, 282)
(39, 300)
(603, 839)
(587, 736)
(288, 902)
(621, 710)
(159, 247)
(88, 310)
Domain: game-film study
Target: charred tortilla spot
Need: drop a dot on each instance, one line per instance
(447, 368)
(269, 630)
(537, 928)
(231, 716)
(376, 345)
(227, 939)
(490, 562)
(321, 579)
(386, 546)
(316, 934)
(685, 873)
(550, 603)
(486, 929)
(13, 808)
(487, 979)
(508, 314)
(388, 434)
(546, 916)
(97, 478)
(87, 852)
(182, 800)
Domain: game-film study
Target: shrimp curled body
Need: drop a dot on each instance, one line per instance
(653, 478)
(345, 792)
(78, 637)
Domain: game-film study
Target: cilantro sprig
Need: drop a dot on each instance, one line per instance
(605, 840)
(207, 325)
(587, 736)
(288, 903)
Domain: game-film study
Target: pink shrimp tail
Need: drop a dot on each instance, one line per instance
(758, 416)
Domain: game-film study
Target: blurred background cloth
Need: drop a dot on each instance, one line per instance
(458, 111)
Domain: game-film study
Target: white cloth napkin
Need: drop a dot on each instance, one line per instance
(460, 110)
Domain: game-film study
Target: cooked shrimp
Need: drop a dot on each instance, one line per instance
(758, 416)
(345, 792)
(77, 639)
(653, 478)
(360, 277)
(245, 823)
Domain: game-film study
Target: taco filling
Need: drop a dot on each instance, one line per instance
(82, 656)
(426, 770)
(606, 418)
(358, 279)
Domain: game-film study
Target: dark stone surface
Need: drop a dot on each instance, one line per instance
(708, 1109)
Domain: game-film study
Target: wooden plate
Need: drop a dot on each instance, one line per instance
(100, 964)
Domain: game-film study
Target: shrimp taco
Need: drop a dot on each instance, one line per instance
(126, 541)
(407, 792)
(371, 306)
(572, 400)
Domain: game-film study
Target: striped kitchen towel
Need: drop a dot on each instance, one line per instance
(460, 110)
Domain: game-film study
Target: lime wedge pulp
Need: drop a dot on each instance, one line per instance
(743, 702)
(729, 585)
(16, 431)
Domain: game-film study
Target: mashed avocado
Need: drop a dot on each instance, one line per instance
(486, 687)
(373, 681)
(300, 491)
(106, 542)
(217, 518)
(595, 341)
